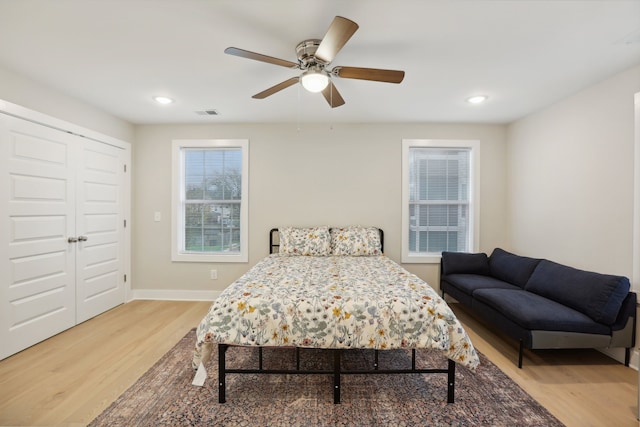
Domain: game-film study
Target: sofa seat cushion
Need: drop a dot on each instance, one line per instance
(511, 268)
(597, 295)
(534, 312)
(468, 283)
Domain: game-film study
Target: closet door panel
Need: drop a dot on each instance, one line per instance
(100, 262)
(37, 288)
(30, 234)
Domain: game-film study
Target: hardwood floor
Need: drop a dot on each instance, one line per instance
(580, 387)
(69, 379)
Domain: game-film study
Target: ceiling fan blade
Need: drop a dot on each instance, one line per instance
(260, 57)
(277, 88)
(332, 95)
(378, 75)
(339, 32)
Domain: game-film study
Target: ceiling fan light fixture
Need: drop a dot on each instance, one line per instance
(314, 80)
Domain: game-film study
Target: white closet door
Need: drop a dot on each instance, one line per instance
(62, 234)
(37, 288)
(100, 229)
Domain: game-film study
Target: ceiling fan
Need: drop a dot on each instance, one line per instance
(314, 57)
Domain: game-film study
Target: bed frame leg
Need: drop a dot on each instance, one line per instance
(451, 381)
(336, 376)
(222, 349)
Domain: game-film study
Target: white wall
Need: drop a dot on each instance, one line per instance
(322, 174)
(27, 93)
(571, 180)
(570, 172)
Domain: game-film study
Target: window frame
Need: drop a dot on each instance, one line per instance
(177, 217)
(474, 195)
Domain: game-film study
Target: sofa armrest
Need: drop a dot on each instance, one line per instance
(627, 310)
(464, 263)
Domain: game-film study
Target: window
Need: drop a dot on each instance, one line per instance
(210, 200)
(440, 182)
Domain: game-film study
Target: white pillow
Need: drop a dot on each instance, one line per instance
(311, 241)
(355, 241)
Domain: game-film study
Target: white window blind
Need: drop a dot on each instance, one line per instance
(438, 199)
(212, 199)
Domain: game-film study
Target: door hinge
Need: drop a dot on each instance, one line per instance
(125, 278)
(125, 168)
(125, 223)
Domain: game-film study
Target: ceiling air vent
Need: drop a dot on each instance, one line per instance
(207, 113)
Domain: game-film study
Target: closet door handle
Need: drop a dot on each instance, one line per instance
(82, 238)
(72, 240)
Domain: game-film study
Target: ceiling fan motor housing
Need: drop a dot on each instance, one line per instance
(305, 51)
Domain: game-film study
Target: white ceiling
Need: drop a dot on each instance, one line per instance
(118, 54)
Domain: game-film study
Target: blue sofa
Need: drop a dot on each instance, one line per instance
(542, 304)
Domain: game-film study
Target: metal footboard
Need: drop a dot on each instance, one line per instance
(336, 371)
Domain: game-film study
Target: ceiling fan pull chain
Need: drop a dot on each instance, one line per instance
(299, 107)
(331, 103)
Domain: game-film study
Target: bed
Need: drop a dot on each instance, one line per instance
(331, 288)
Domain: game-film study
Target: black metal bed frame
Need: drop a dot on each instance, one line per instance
(336, 369)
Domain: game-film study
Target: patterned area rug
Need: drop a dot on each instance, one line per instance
(164, 396)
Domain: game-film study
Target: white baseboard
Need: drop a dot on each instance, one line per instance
(173, 295)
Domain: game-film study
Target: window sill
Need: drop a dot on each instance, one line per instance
(181, 257)
(421, 259)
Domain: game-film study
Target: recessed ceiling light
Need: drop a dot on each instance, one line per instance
(478, 99)
(163, 100)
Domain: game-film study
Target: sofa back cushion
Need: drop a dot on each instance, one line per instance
(599, 296)
(511, 268)
(464, 263)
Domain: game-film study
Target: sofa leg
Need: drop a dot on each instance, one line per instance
(627, 356)
(520, 354)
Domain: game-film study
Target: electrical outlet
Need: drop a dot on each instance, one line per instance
(214, 274)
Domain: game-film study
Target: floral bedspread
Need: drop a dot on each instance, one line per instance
(333, 302)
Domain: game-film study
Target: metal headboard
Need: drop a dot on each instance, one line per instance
(274, 240)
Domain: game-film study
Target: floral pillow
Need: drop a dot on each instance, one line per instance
(311, 241)
(355, 241)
